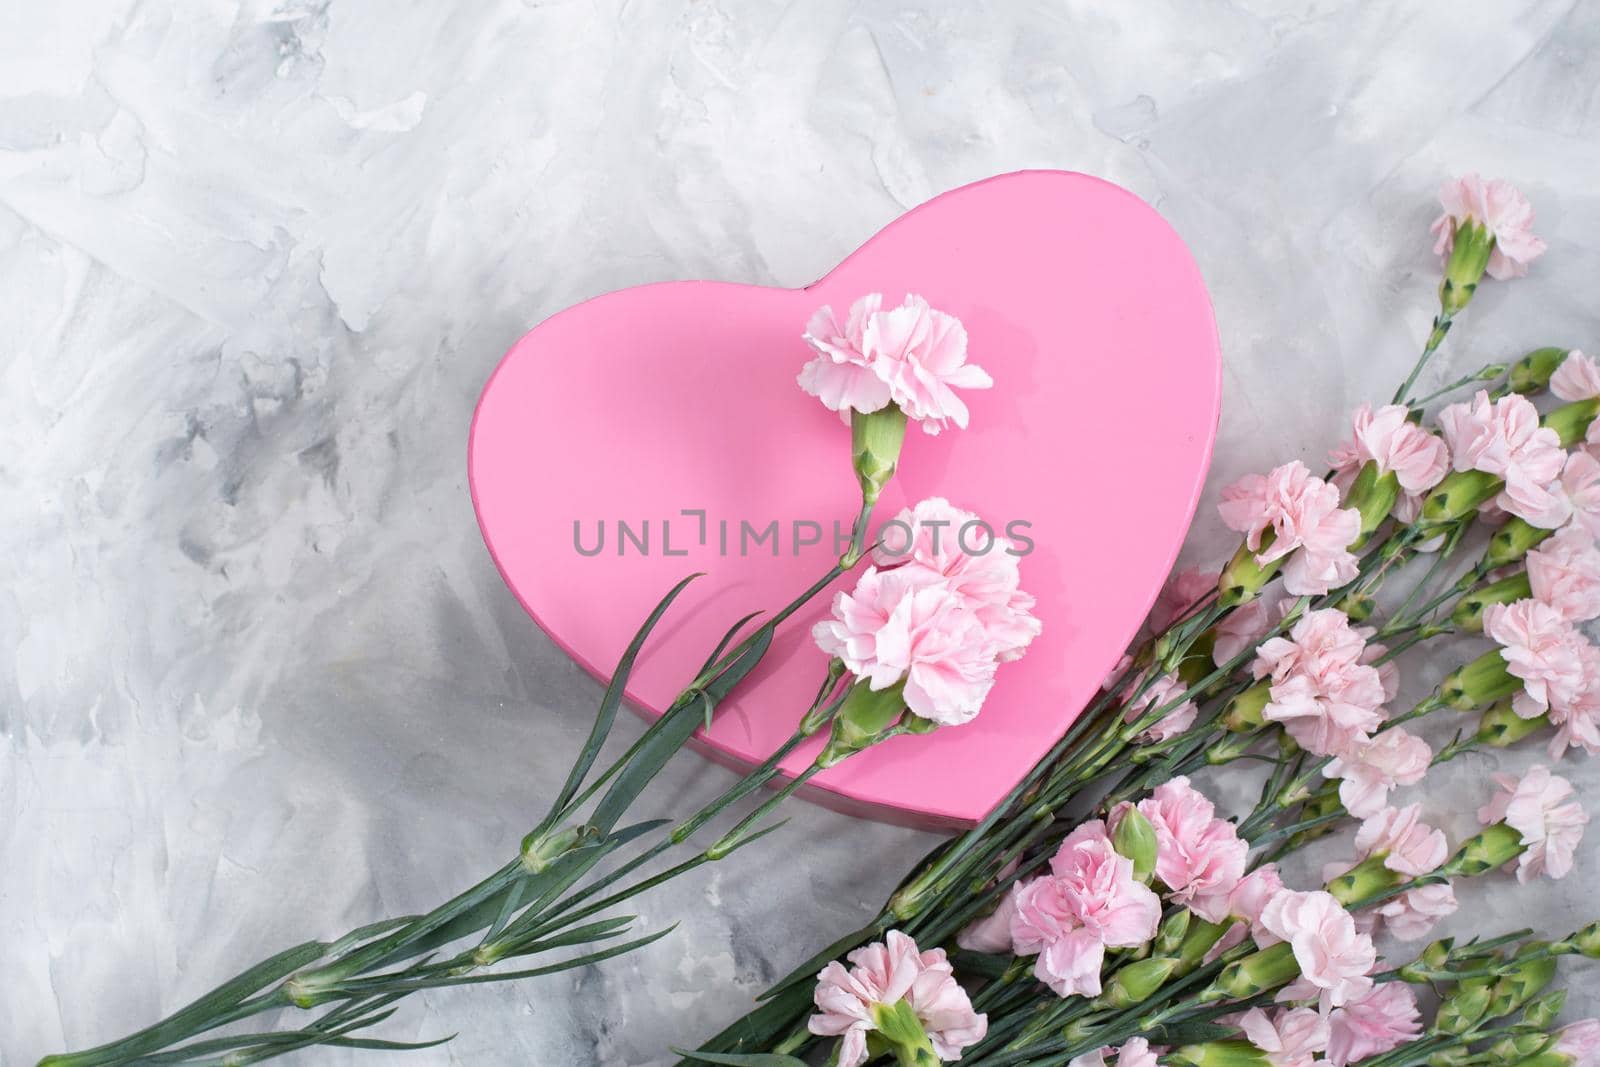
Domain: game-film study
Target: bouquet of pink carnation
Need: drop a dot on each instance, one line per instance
(1156, 929)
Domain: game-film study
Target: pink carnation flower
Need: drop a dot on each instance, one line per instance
(1088, 902)
(1199, 858)
(1577, 378)
(1413, 914)
(1576, 494)
(885, 973)
(1302, 513)
(1408, 845)
(1183, 590)
(1334, 957)
(1136, 1053)
(912, 355)
(1539, 647)
(1542, 808)
(842, 374)
(1322, 692)
(1580, 1042)
(1159, 694)
(902, 626)
(1502, 209)
(1289, 1037)
(1379, 1022)
(1577, 719)
(976, 564)
(1503, 438)
(1387, 437)
(1564, 572)
(992, 933)
(1368, 769)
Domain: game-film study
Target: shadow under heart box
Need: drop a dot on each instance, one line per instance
(650, 433)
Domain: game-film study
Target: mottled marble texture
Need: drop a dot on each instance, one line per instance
(260, 679)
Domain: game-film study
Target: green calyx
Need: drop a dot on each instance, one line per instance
(902, 1033)
(1511, 542)
(1458, 496)
(1135, 840)
(1470, 247)
(1494, 846)
(1364, 881)
(1501, 726)
(1373, 495)
(1258, 972)
(1468, 613)
(1480, 682)
(1244, 577)
(862, 720)
(1243, 713)
(1531, 373)
(875, 441)
(1136, 982)
(1217, 1054)
(1571, 421)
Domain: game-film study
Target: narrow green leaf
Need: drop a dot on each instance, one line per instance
(379, 983)
(722, 645)
(765, 1025)
(606, 716)
(397, 1046)
(742, 1059)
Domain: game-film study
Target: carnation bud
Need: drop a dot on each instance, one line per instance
(1501, 726)
(1242, 579)
(863, 717)
(1135, 839)
(1494, 846)
(1571, 421)
(1519, 1047)
(875, 441)
(1468, 613)
(1449, 1057)
(1217, 1054)
(1471, 243)
(1170, 934)
(1464, 1007)
(1429, 962)
(1512, 541)
(1526, 979)
(1229, 749)
(1134, 983)
(1587, 940)
(1542, 1011)
(542, 848)
(1198, 940)
(1363, 881)
(1258, 972)
(1531, 373)
(1243, 714)
(1458, 496)
(1480, 682)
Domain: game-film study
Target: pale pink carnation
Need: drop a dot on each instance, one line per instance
(1334, 957)
(1539, 647)
(1199, 858)
(922, 355)
(1184, 589)
(1413, 914)
(1408, 845)
(1368, 769)
(1543, 808)
(842, 374)
(902, 626)
(973, 561)
(1564, 572)
(1088, 902)
(1503, 438)
(1418, 460)
(1243, 627)
(1577, 378)
(1302, 513)
(1580, 1043)
(1321, 691)
(1136, 1052)
(1159, 694)
(1577, 719)
(1379, 1022)
(1576, 494)
(1291, 1037)
(886, 973)
(992, 933)
(1500, 208)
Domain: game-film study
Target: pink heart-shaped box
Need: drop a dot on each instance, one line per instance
(655, 404)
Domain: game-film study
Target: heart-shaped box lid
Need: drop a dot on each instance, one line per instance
(672, 409)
